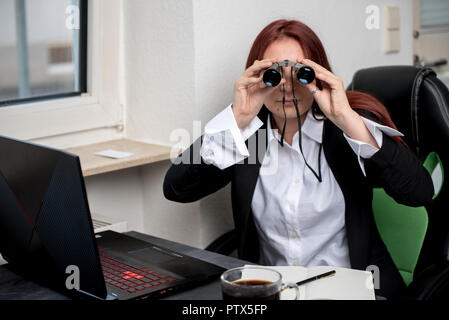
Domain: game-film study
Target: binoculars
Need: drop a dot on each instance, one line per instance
(272, 76)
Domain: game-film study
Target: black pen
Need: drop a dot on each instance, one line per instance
(320, 276)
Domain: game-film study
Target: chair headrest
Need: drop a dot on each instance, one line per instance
(417, 100)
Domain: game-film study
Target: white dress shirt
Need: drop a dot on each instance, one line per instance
(299, 220)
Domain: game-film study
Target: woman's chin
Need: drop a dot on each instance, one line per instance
(290, 110)
(289, 115)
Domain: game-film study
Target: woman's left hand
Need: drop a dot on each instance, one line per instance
(334, 103)
(332, 98)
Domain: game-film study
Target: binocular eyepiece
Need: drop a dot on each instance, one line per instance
(272, 76)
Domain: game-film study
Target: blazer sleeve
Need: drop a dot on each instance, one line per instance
(396, 169)
(191, 179)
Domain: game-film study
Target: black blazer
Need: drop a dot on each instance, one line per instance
(393, 167)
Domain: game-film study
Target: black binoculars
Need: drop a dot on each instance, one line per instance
(272, 76)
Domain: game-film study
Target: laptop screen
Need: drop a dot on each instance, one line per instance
(45, 223)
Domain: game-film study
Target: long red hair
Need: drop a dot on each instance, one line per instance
(364, 103)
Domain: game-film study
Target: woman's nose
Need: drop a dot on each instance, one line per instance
(288, 83)
(287, 75)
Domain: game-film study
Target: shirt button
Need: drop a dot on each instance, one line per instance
(294, 235)
(297, 181)
(295, 263)
(292, 207)
(211, 139)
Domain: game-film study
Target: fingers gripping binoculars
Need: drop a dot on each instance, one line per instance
(273, 75)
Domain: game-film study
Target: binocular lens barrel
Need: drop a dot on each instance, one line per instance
(305, 75)
(272, 77)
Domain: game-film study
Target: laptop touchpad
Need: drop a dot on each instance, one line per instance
(154, 255)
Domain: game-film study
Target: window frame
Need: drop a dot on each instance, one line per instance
(99, 104)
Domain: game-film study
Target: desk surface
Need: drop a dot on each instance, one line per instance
(143, 153)
(14, 287)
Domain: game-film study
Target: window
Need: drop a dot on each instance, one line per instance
(434, 16)
(73, 117)
(43, 50)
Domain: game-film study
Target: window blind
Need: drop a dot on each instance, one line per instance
(434, 14)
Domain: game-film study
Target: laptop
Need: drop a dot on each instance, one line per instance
(46, 233)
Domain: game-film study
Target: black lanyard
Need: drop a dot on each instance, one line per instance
(298, 115)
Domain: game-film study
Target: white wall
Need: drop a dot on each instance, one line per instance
(182, 58)
(159, 67)
(117, 195)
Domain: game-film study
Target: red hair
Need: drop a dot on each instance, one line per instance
(364, 103)
(369, 107)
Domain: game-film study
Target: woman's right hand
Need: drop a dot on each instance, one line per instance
(250, 92)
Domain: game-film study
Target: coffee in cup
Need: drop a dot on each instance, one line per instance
(256, 283)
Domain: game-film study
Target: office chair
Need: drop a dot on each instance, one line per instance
(417, 238)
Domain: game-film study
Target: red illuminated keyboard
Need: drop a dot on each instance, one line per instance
(131, 279)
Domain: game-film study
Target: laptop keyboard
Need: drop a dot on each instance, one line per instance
(129, 278)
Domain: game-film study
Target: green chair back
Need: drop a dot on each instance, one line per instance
(403, 228)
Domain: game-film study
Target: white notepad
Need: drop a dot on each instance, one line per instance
(346, 284)
(114, 154)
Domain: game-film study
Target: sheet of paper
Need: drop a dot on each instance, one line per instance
(114, 154)
(346, 284)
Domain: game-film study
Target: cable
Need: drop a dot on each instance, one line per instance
(298, 116)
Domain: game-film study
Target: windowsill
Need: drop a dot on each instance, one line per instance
(143, 153)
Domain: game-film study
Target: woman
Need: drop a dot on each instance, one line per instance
(313, 206)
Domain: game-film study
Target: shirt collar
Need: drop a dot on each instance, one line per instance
(311, 127)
